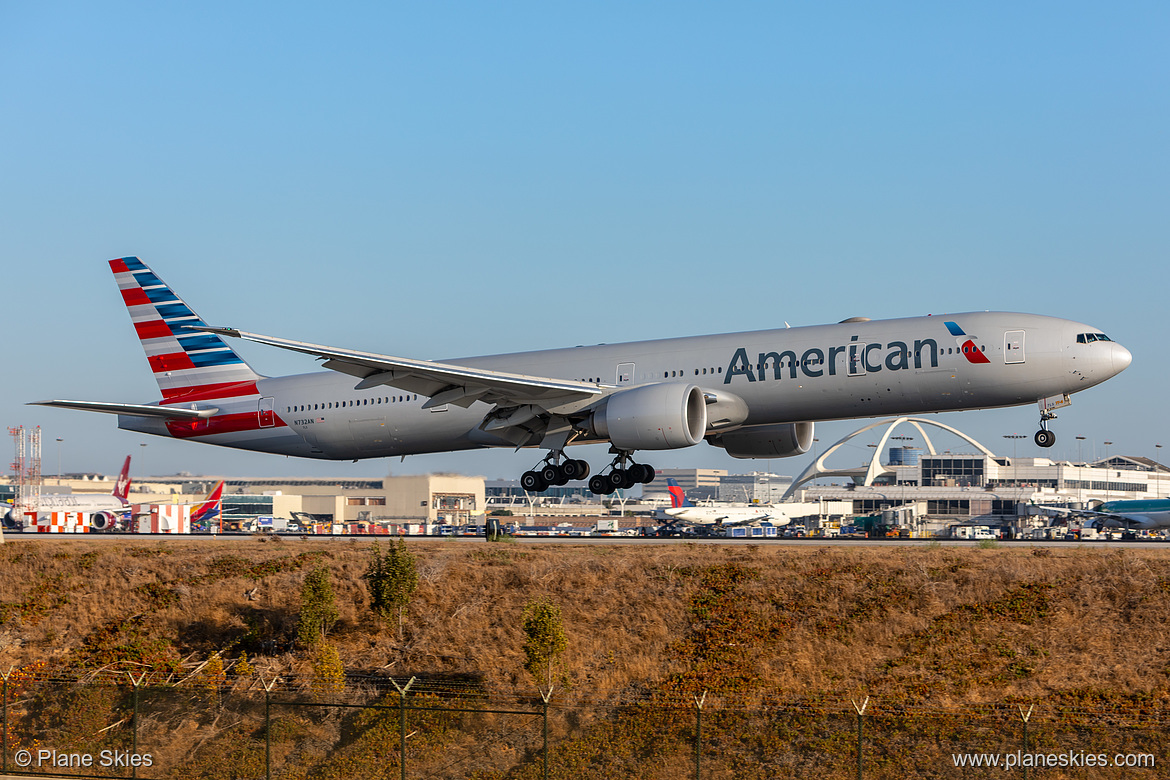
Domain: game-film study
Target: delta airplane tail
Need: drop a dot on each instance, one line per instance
(678, 498)
(188, 365)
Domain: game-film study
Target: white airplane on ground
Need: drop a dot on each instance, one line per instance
(110, 512)
(755, 394)
(105, 508)
(683, 511)
(1132, 515)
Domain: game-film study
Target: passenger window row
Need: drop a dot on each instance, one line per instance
(392, 399)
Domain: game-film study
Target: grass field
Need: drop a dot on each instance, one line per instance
(944, 642)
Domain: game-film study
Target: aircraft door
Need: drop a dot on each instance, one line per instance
(267, 417)
(625, 373)
(1013, 346)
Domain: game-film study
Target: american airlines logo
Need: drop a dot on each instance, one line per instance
(858, 358)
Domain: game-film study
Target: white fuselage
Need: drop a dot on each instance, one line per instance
(826, 372)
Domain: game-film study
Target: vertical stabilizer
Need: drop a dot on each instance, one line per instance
(122, 487)
(678, 498)
(188, 365)
(210, 508)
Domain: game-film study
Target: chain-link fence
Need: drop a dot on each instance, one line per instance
(127, 727)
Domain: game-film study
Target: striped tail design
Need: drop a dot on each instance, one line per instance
(188, 365)
(211, 506)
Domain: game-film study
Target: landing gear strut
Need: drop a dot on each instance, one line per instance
(1044, 437)
(620, 476)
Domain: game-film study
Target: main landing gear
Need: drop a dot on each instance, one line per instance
(555, 471)
(1044, 437)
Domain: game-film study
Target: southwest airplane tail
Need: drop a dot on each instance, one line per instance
(211, 507)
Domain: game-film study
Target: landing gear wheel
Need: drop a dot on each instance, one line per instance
(1045, 438)
(647, 473)
(533, 482)
(599, 485)
(616, 479)
(637, 472)
(575, 469)
(553, 475)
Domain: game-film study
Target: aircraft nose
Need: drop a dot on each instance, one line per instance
(1121, 358)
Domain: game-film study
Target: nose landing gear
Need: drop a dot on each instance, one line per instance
(1044, 437)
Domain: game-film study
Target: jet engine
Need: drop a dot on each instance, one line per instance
(661, 416)
(766, 441)
(104, 521)
(10, 521)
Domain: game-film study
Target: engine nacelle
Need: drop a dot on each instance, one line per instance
(104, 521)
(661, 416)
(766, 441)
(10, 521)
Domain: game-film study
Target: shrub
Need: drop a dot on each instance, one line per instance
(544, 639)
(391, 579)
(318, 608)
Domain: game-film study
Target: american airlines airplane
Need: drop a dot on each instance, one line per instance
(755, 394)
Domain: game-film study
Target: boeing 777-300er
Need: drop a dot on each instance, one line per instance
(755, 394)
(682, 510)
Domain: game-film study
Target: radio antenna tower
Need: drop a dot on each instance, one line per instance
(26, 470)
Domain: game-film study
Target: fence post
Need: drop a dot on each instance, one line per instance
(1024, 717)
(5, 675)
(402, 724)
(699, 700)
(268, 726)
(545, 697)
(860, 714)
(134, 733)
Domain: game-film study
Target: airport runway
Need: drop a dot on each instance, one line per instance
(292, 541)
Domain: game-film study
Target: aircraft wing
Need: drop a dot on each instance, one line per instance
(442, 383)
(134, 410)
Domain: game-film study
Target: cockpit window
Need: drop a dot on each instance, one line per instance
(1085, 338)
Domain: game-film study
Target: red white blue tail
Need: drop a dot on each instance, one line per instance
(210, 508)
(188, 365)
(678, 498)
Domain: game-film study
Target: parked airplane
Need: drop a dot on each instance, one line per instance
(103, 507)
(1139, 514)
(211, 508)
(682, 510)
(755, 394)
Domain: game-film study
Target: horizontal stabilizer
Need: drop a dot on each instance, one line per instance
(133, 410)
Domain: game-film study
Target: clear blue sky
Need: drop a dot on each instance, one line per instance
(443, 179)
